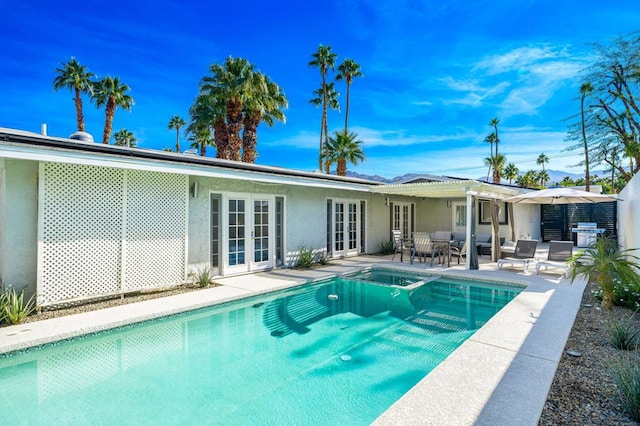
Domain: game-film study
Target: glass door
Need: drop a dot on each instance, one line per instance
(459, 211)
(346, 227)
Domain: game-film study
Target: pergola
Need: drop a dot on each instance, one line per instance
(457, 188)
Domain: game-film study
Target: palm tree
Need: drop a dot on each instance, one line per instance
(329, 92)
(231, 82)
(264, 102)
(125, 138)
(112, 93)
(605, 263)
(325, 60)
(347, 71)
(208, 111)
(585, 90)
(541, 160)
(200, 138)
(497, 164)
(491, 138)
(177, 122)
(344, 147)
(543, 177)
(511, 172)
(75, 77)
(494, 122)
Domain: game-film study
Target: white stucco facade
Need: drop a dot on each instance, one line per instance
(629, 216)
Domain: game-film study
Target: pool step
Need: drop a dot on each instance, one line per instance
(293, 314)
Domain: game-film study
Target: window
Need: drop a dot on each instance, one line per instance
(484, 218)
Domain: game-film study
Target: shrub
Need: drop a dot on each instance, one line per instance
(202, 277)
(306, 258)
(624, 333)
(386, 247)
(626, 374)
(13, 307)
(323, 259)
(606, 264)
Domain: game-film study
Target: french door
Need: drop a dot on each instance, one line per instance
(249, 227)
(402, 218)
(346, 235)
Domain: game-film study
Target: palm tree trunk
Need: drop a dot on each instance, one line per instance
(342, 167)
(79, 114)
(203, 148)
(587, 179)
(177, 139)
(110, 111)
(249, 137)
(234, 125)
(346, 112)
(221, 138)
(320, 166)
(324, 123)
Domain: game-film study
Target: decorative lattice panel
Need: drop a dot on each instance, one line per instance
(82, 232)
(156, 229)
(108, 230)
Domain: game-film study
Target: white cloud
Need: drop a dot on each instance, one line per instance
(519, 59)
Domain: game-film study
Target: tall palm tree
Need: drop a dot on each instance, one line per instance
(585, 90)
(347, 71)
(112, 93)
(125, 138)
(543, 177)
(231, 81)
(542, 160)
(494, 122)
(510, 172)
(208, 111)
(344, 147)
(177, 122)
(491, 138)
(264, 102)
(329, 92)
(76, 77)
(325, 60)
(497, 164)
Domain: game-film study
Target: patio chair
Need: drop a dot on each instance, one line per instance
(458, 251)
(422, 245)
(399, 243)
(559, 254)
(524, 254)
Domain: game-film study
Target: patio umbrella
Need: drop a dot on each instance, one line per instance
(561, 196)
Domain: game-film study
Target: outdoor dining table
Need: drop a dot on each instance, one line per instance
(442, 247)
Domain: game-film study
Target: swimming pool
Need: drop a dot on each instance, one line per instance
(332, 352)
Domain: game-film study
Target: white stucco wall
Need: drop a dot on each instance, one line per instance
(19, 224)
(629, 216)
(527, 217)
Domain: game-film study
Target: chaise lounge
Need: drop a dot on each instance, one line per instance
(559, 254)
(524, 254)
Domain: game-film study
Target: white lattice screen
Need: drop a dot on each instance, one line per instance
(107, 230)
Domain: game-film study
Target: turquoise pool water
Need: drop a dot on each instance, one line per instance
(335, 352)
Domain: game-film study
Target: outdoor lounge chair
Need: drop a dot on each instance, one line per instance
(559, 254)
(523, 255)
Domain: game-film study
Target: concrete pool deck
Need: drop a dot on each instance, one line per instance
(501, 375)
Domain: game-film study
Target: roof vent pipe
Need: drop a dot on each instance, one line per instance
(43, 129)
(81, 136)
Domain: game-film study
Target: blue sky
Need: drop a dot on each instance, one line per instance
(435, 72)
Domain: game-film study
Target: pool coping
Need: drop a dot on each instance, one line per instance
(516, 352)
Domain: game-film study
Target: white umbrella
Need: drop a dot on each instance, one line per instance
(561, 195)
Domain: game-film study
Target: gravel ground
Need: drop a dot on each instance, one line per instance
(582, 393)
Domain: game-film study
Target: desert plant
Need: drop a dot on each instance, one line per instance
(605, 263)
(14, 308)
(306, 258)
(323, 259)
(626, 374)
(202, 277)
(386, 247)
(624, 333)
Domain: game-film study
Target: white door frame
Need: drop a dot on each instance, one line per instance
(454, 226)
(350, 232)
(249, 235)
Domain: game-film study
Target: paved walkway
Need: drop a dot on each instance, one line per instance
(501, 375)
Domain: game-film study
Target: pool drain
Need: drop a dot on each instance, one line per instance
(345, 358)
(333, 297)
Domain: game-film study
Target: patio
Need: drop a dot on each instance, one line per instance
(501, 375)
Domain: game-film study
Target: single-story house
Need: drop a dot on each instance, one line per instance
(81, 219)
